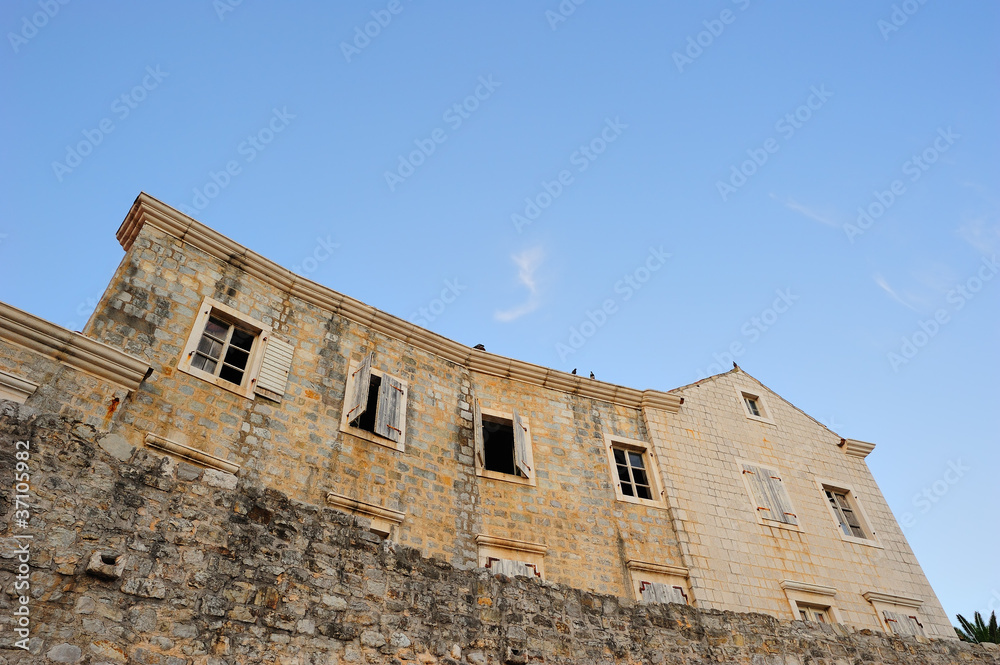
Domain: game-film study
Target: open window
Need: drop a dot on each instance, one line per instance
(374, 404)
(236, 352)
(634, 473)
(847, 513)
(755, 406)
(770, 497)
(503, 445)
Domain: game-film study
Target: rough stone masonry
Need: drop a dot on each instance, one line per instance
(140, 559)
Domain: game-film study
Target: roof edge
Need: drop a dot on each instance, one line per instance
(149, 210)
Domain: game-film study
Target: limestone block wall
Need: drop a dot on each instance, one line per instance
(210, 571)
(738, 562)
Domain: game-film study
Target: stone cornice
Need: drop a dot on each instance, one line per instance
(190, 454)
(856, 448)
(20, 389)
(510, 544)
(892, 599)
(662, 568)
(70, 348)
(805, 587)
(148, 210)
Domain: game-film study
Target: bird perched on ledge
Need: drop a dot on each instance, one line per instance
(480, 347)
(574, 371)
(592, 375)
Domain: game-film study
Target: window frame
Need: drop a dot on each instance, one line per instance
(763, 408)
(211, 308)
(529, 456)
(641, 572)
(645, 449)
(826, 485)
(811, 596)
(887, 602)
(346, 427)
(752, 496)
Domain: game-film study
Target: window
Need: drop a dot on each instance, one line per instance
(755, 407)
(813, 613)
(237, 353)
(633, 471)
(767, 490)
(903, 624)
(659, 582)
(374, 405)
(655, 592)
(846, 517)
(511, 557)
(502, 444)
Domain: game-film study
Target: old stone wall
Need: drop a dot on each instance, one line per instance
(202, 569)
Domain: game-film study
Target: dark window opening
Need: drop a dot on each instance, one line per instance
(224, 350)
(632, 475)
(366, 420)
(498, 445)
(842, 507)
(752, 405)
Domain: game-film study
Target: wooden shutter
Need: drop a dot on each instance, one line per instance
(849, 516)
(274, 368)
(521, 446)
(477, 432)
(512, 568)
(902, 624)
(358, 399)
(761, 495)
(782, 506)
(391, 409)
(662, 593)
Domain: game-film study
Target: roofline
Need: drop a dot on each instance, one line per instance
(148, 210)
(71, 348)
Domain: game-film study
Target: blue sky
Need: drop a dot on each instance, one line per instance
(640, 190)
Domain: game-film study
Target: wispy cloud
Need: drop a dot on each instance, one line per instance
(892, 293)
(527, 263)
(815, 215)
(982, 235)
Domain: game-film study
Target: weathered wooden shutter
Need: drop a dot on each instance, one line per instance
(760, 494)
(849, 516)
(391, 409)
(512, 568)
(782, 505)
(359, 397)
(274, 368)
(521, 446)
(902, 624)
(477, 430)
(662, 593)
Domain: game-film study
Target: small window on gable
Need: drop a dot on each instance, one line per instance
(237, 353)
(755, 407)
(633, 471)
(502, 445)
(768, 493)
(903, 624)
(374, 405)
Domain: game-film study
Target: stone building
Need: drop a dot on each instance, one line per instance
(721, 495)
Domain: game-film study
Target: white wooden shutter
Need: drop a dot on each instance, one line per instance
(902, 624)
(760, 494)
(274, 368)
(521, 446)
(391, 409)
(512, 568)
(662, 593)
(358, 399)
(782, 505)
(477, 429)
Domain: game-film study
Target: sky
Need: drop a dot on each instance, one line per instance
(646, 191)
